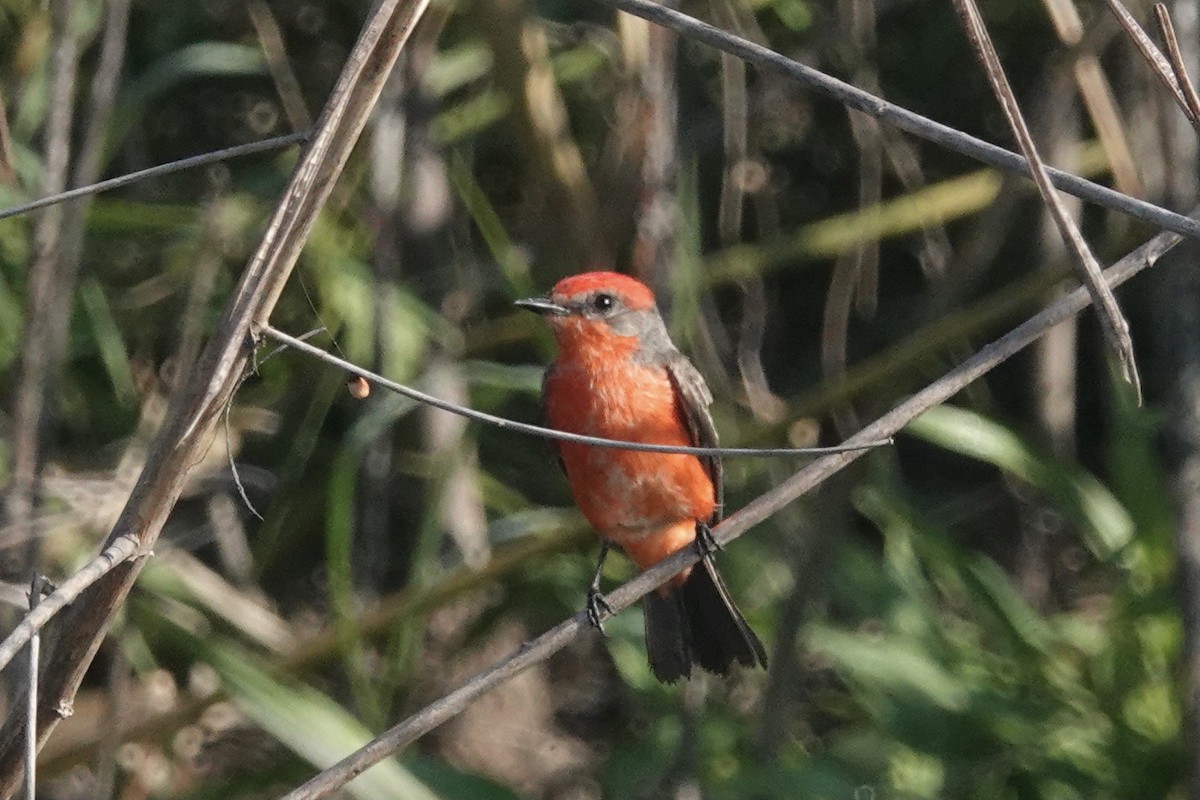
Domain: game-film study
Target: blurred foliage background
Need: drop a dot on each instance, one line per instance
(995, 607)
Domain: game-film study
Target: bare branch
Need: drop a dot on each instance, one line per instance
(276, 143)
(36, 588)
(901, 118)
(116, 553)
(1154, 57)
(1112, 321)
(534, 652)
(1191, 106)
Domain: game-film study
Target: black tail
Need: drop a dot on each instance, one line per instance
(698, 622)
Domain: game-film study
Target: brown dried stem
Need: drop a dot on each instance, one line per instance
(1191, 102)
(1158, 62)
(1112, 321)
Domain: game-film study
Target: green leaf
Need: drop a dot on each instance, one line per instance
(109, 341)
(1105, 524)
(309, 723)
(890, 665)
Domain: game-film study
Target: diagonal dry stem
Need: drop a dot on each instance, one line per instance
(1191, 102)
(1112, 321)
(1154, 57)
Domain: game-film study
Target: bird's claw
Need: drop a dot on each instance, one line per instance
(706, 543)
(597, 609)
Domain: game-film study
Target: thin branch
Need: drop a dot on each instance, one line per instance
(538, 650)
(1178, 65)
(200, 160)
(1112, 320)
(35, 646)
(270, 37)
(117, 553)
(901, 118)
(1154, 57)
(550, 433)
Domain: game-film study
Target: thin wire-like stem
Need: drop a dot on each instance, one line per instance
(200, 160)
(541, 648)
(550, 433)
(31, 705)
(902, 118)
(1112, 320)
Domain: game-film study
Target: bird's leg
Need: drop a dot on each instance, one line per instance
(597, 606)
(706, 543)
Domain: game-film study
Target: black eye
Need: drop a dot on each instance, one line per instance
(604, 303)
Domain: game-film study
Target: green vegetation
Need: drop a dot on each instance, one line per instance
(988, 609)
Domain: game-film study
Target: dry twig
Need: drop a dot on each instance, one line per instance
(275, 143)
(1154, 57)
(1191, 102)
(1112, 321)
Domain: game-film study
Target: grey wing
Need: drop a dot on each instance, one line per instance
(694, 399)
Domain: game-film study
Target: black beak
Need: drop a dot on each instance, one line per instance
(543, 306)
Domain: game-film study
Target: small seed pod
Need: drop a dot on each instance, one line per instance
(358, 387)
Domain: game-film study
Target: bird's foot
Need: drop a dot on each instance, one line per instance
(706, 543)
(597, 609)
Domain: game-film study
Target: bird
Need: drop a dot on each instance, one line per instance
(618, 375)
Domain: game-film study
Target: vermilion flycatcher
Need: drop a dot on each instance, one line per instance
(618, 376)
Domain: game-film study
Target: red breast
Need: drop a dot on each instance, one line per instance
(606, 384)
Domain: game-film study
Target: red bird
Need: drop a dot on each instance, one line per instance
(618, 376)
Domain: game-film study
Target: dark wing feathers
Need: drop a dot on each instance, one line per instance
(693, 399)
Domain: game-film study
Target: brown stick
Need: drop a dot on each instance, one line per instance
(1112, 321)
(187, 432)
